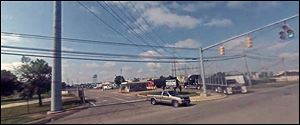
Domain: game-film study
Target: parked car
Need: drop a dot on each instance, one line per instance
(169, 97)
(107, 87)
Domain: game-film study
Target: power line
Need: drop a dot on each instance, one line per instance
(92, 53)
(115, 55)
(45, 55)
(139, 25)
(125, 24)
(23, 35)
(93, 59)
(100, 19)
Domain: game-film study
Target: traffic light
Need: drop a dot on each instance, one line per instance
(287, 32)
(222, 50)
(249, 42)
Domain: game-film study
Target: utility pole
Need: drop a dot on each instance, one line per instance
(202, 71)
(247, 68)
(185, 70)
(175, 68)
(56, 98)
(284, 69)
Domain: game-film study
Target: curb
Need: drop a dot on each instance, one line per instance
(58, 115)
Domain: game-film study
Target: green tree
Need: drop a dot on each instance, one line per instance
(119, 80)
(9, 83)
(36, 76)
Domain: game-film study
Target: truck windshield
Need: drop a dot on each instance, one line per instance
(173, 93)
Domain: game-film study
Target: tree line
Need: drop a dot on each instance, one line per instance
(33, 77)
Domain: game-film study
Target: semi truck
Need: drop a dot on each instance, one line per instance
(219, 83)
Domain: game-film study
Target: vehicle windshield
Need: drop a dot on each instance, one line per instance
(173, 93)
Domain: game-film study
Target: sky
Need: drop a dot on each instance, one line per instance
(168, 23)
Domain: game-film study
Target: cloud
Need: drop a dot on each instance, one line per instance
(149, 53)
(219, 22)
(160, 17)
(236, 4)
(92, 65)
(140, 70)
(267, 3)
(10, 39)
(289, 56)
(10, 66)
(153, 66)
(277, 46)
(188, 43)
(91, 8)
(193, 6)
(108, 64)
(260, 4)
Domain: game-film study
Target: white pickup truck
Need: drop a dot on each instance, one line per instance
(169, 97)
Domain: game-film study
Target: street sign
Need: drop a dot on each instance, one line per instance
(171, 83)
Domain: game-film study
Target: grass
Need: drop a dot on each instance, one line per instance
(19, 114)
(11, 99)
(14, 99)
(180, 93)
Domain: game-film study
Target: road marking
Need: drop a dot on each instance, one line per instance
(93, 103)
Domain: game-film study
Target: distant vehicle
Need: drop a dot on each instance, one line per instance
(98, 86)
(232, 87)
(218, 83)
(192, 82)
(107, 87)
(169, 97)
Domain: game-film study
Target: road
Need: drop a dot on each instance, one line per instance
(109, 97)
(269, 105)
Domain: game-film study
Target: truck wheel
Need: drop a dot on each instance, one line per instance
(153, 101)
(229, 90)
(218, 89)
(175, 103)
(244, 90)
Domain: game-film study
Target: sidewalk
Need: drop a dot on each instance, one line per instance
(30, 102)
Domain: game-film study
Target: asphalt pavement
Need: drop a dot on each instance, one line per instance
(268, 105)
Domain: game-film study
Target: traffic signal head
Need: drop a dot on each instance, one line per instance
(290, 33)
(249, 42)
(222, 50)
(287, 32)
(282, 35)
